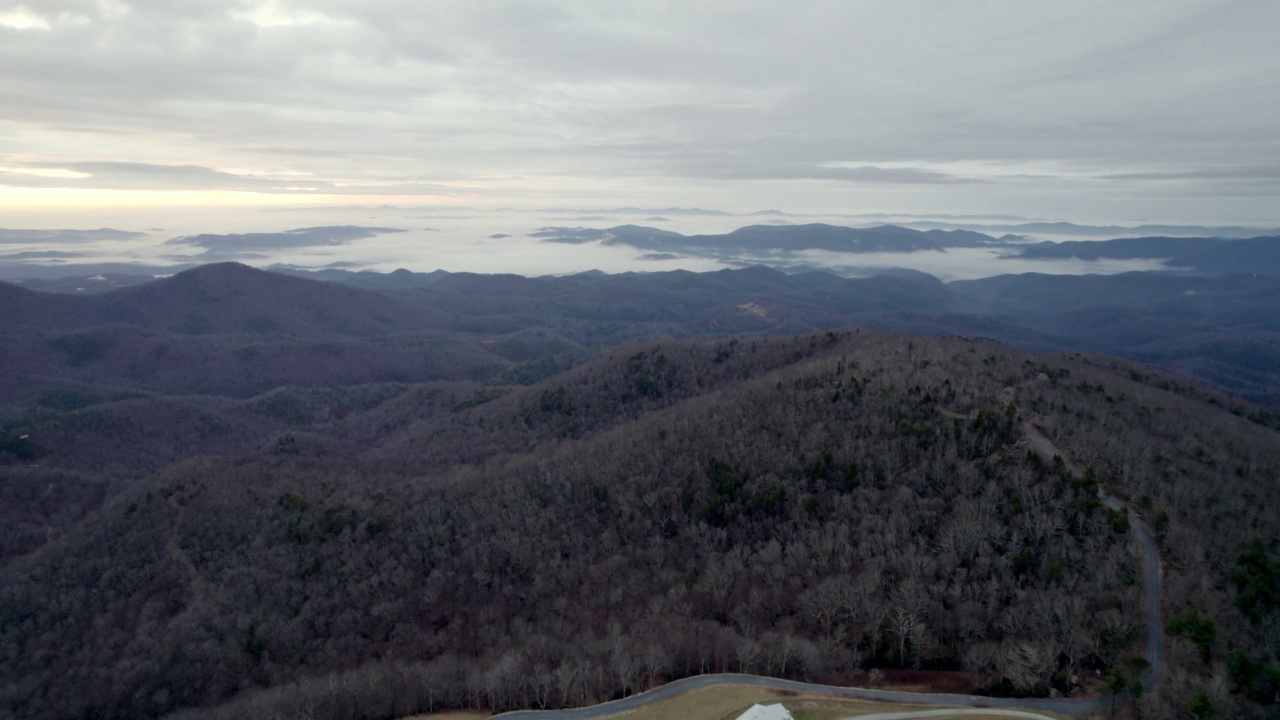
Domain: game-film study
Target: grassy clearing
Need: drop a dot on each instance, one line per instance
(726, 702)
(713, 703)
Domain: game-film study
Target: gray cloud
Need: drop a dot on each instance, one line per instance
(857, 174)
(1265, 174)
(926, 105)
(151, 176)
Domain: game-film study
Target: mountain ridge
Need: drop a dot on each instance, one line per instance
(531, 327)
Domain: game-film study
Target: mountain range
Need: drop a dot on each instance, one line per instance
(234, 492)
(242, 330)
(1194, 255)
(782, 246)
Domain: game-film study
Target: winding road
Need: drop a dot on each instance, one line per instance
(1082, 707)
(1150, 564)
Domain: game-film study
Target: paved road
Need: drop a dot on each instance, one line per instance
(1155, 651)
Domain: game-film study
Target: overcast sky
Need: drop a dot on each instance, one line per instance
(1164, 110)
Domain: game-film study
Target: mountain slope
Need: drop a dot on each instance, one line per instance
(1207, 256)
(808, 505)
(233, 298)
(1221, 329)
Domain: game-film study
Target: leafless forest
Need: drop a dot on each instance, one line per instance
(834, 506)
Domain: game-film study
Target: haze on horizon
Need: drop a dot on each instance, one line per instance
(1155, 110)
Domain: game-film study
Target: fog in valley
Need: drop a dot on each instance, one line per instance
(477, 239)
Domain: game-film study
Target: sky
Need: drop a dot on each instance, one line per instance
(1095, 111)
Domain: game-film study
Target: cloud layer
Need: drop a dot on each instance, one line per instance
(1086, 109)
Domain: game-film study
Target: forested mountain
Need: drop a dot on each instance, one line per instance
(226, 298)
(814, 506)
(1198, 255)
(1218, 329)
(231, 330)
(1103, 232)
(1201, 255)
(813, 236)
(245, 491)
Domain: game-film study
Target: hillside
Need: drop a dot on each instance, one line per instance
(228, 298)
(231, 330)
(807, 506)
(228, 330)
(1209, 256)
